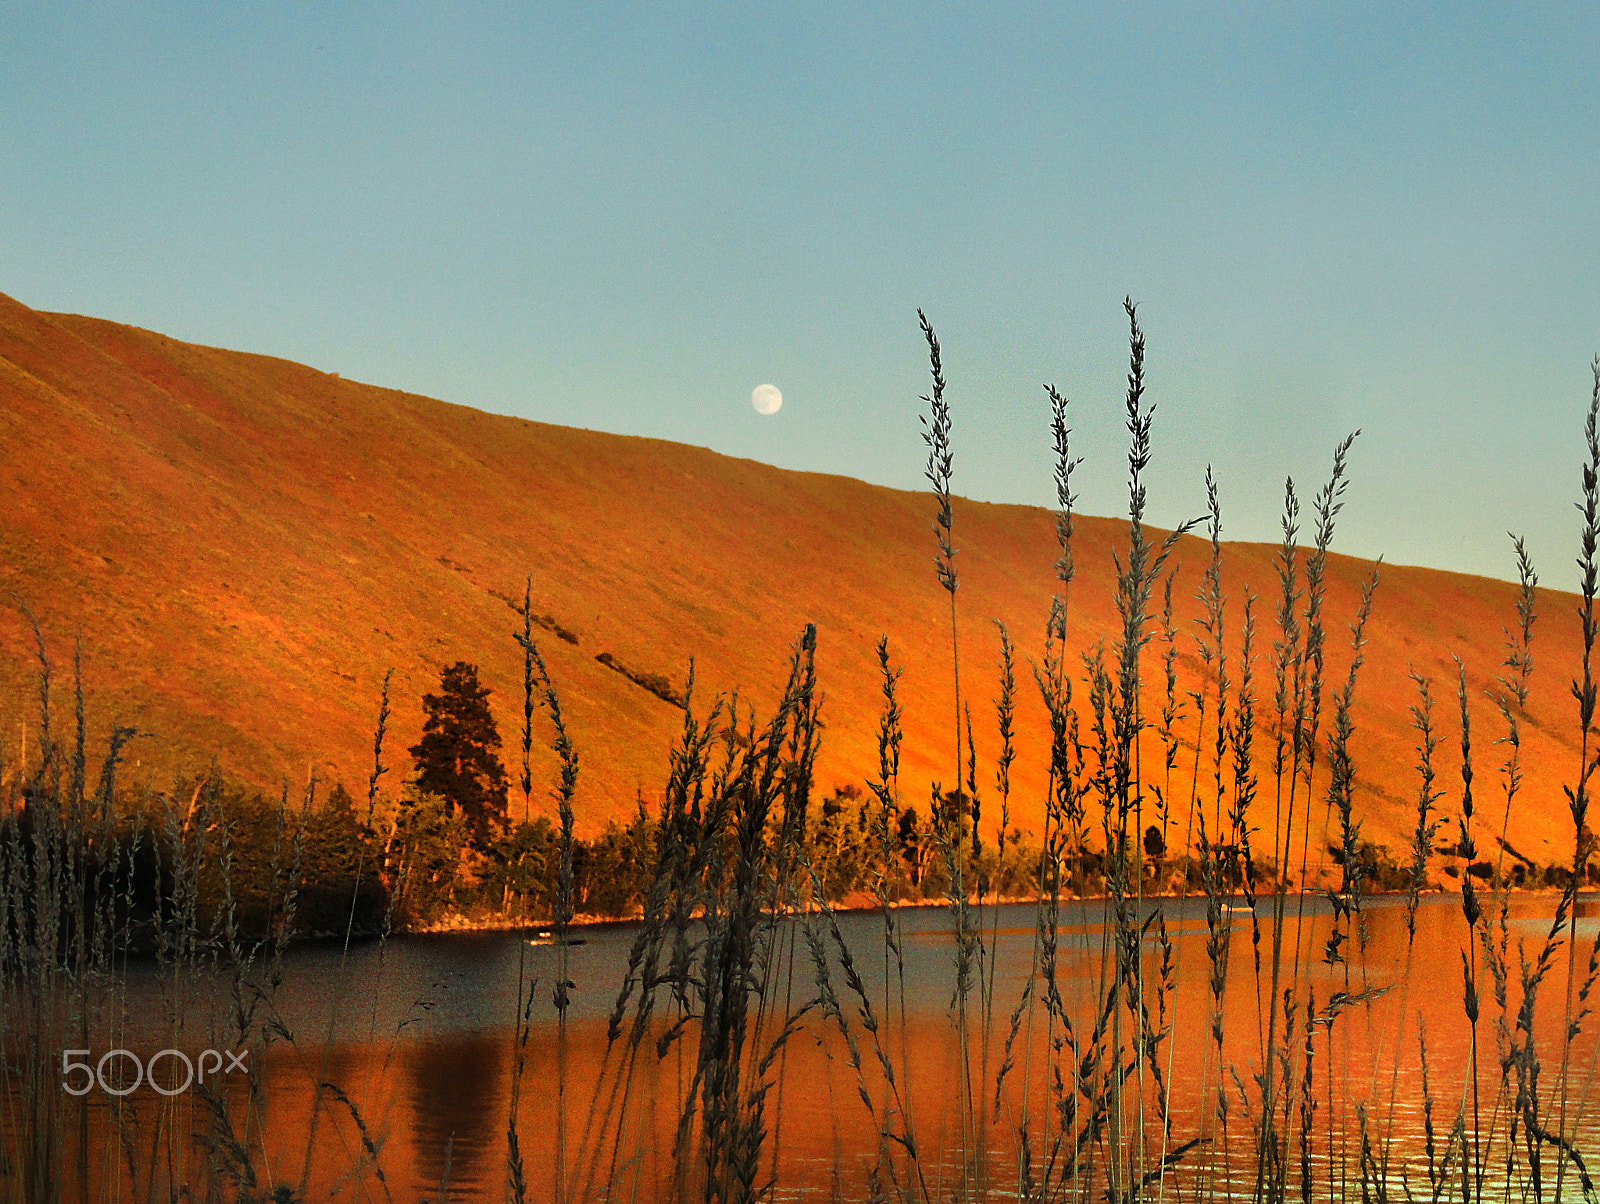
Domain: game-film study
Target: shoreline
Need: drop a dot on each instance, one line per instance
(461, 924)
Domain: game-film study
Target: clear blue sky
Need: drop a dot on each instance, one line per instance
(626, 217)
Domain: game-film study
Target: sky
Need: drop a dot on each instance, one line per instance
(625, 217)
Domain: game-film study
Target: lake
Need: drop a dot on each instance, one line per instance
(418, 1036)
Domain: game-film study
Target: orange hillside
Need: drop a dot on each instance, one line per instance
(246, 545)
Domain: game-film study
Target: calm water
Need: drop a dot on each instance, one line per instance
(418, 1036)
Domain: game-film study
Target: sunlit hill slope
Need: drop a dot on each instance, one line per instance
(245, 546)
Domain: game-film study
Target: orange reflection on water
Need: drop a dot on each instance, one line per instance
(426, 1110)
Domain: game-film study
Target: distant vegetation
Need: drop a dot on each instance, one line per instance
(417, 860)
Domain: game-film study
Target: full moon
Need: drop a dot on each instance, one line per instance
(766, 399)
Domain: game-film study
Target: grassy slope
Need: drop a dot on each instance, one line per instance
(246, 545)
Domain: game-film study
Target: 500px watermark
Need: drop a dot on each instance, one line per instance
(209, 1062)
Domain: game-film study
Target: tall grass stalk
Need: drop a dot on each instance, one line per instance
(1136, 578)
(1589, 757)
(563, 794)
(887, 791)
(936, 434)
(379, 769)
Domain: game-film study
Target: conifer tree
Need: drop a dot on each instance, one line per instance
(458, 757)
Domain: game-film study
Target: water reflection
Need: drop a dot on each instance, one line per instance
(417, 1036)
(455, 1090)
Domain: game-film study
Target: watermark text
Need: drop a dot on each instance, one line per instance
(80, 1075)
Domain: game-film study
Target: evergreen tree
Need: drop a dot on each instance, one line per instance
(341, 887)
(425, 854)
(458, 758)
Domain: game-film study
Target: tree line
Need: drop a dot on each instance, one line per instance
(327, 863)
